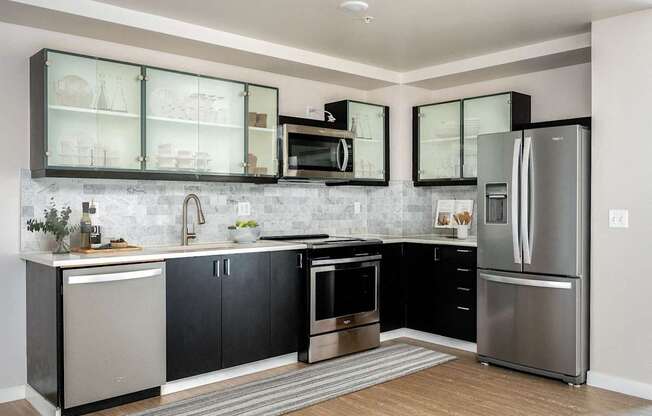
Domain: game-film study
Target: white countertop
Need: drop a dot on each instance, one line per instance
(149, 254)
(424, 239)
(161, 253)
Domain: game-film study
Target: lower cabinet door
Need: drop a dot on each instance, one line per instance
(287, 289)
(193, 309)
(392, 299)
(245, 308)
(420, 276)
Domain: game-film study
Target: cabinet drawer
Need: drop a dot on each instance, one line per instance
(463, 296)
(459, 256)
(463, 322)
(463, 276)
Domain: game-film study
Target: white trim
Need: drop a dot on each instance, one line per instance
(432, 338)
(9, 394)
(221, 375)
(38, 402)
(619, 384)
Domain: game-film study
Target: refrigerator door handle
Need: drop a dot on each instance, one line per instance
(525, 200)
(515, 240)
(526, 282)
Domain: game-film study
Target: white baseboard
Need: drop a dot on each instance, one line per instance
(432, 338)
(221, 375)
(619, 384)
(9, 394)
(38, 402)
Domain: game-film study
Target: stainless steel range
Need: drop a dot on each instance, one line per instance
(342, 296)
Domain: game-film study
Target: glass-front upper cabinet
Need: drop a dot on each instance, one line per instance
(262, 125)
(93, 113)
(438, 143)
(194, 124)
(446, 134)
(370, 126)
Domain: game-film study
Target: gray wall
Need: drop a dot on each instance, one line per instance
(621, 289)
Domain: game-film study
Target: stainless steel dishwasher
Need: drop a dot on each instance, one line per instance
(113, 331)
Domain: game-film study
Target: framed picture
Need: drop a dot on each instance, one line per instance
(448, 209)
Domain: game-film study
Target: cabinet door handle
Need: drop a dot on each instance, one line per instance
(227, 267)
(464, 289)
(459, 269)
(436, 254)
(462, 250)
(462, 308)
(300, 261)
(216, 268)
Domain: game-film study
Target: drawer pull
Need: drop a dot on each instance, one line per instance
(461, 250)
(464, 289)
(462, 308)
(459, 269)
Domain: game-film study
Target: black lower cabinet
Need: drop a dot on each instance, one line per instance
(420, 275)
(392, 292)
(288, 281)
(245, 308)
(193, 303)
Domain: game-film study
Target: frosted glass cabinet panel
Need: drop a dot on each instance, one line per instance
(483, 115)
(262, 122)
(367, 122)
(439, 140)
(93, 113)
(194, 124)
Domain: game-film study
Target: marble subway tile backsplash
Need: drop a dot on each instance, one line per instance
(149, 212)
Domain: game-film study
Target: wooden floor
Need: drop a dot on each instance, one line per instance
(461, 387)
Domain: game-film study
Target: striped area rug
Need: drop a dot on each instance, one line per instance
(307, 386)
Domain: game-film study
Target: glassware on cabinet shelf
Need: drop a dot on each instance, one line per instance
(369, 144)
(439, 141)
(262, 159)
(119, 102)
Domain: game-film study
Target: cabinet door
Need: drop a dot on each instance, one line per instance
(421, 282)
(439, 141)
(221, 127)
(392, 299)
(483, 115)
(193, 304)
(262, 122)
(245, 308)
(172, 127)
(93, 113)
(367, 122)
(287, 289)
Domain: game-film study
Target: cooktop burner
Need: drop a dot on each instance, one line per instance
(323, 240)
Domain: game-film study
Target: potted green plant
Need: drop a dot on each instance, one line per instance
(56, 223)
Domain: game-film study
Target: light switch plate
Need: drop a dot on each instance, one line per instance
(618, 218)
(244, 209)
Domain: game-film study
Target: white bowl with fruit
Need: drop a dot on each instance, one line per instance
(244, 231)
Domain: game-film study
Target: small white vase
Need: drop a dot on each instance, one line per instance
(463, 232)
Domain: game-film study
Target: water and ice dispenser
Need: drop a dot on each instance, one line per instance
(495, 203)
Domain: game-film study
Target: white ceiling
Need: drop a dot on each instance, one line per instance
(405, 35)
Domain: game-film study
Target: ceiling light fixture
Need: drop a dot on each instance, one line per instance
(354, 6)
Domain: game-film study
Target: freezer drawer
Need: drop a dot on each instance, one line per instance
(531, 321)
(113, 331)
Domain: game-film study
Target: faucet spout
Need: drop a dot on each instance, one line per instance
(185, 234)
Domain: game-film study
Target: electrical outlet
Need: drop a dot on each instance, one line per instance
(244, 209)
(356, 207)
(618, 218)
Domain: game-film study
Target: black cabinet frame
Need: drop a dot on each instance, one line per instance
(39, 131)
(520, 116)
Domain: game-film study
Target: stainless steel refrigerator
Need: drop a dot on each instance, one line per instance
(533, 251)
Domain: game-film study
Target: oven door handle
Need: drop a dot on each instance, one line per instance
(327, 262)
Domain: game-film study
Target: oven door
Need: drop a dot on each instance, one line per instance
(343, 294)
(311, 152)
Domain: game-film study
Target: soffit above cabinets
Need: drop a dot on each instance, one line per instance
(396, 48)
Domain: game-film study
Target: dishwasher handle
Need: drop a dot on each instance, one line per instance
(114, 277)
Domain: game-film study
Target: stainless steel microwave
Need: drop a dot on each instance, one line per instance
(317, 153)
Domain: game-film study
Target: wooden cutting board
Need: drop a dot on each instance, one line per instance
(105, 250)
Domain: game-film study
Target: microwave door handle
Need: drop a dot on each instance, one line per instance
(515, 240)
(339, 162)
(346, 155)
(525, 201)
